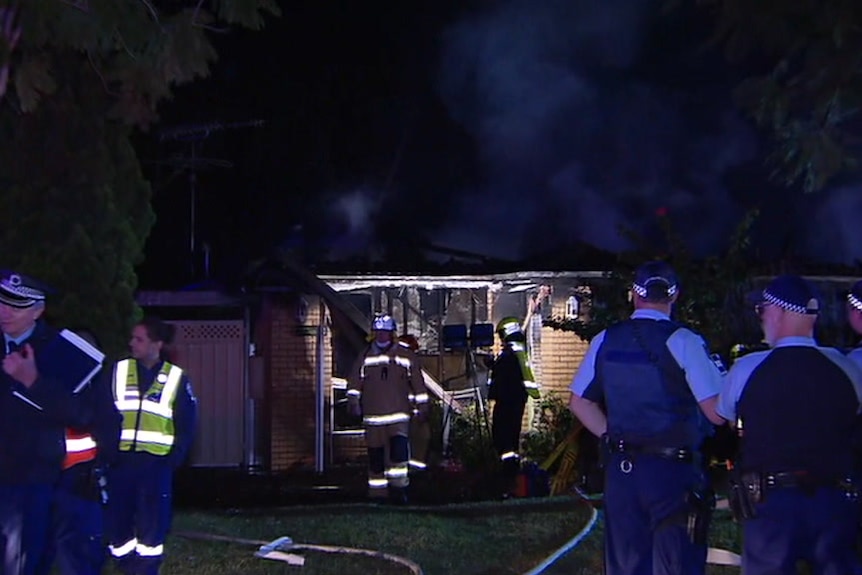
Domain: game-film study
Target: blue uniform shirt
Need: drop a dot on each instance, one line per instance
(688, 349)
(796, 406)
(856, 355)
(745, 366)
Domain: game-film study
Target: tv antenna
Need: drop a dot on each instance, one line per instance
(194, 135)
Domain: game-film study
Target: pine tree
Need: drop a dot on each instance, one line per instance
(83, 74)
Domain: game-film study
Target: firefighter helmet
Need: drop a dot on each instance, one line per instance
(383, 323)
(509, 328)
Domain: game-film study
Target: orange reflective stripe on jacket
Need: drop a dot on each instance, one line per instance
(80, 447)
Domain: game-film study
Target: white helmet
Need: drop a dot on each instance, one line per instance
(383, 323)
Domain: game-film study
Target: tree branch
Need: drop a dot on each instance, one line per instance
(152, 10)
(197, 24)
(123, 44)
(82, 5)
(10, 34)
(101, 76)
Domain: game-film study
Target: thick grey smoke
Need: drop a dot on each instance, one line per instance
(576, 140)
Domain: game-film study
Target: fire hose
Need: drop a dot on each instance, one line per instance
(714, 556)
(282, 549)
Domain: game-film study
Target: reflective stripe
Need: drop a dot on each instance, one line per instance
(80, 444)
(146, 437)
(397, 471)
(417, 464)
(420, 398)
(80, 448)
(509, 455)
(377, 483)
(147, 406)
(403, 362)
(124, 549)
(147, 421)
(355, 392)
(147, 551)
(386, 419)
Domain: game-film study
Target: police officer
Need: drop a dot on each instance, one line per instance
(36, 403)
(854, 317)
(77, 524)
(385, 387)
(794, 407)
(649, 388)
(159, 412)
(510, 382)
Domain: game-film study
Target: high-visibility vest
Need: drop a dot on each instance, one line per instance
(148, 422)
(80, 448)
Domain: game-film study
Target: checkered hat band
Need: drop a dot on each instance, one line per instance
(854, 301)
(792, 307)
(13, 286)
(641, 289)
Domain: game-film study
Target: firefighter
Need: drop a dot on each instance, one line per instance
(77, 526)
(36, 403)
(647, 387)
(385, 387)
(159, 412)
(511, 382)
(795, 406)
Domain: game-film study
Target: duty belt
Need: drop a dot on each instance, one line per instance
(802, 479)
(682, 454)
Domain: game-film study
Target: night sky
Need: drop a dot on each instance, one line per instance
(505, 128)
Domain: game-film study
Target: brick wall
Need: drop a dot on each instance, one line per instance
(292, 378)
(562, 353)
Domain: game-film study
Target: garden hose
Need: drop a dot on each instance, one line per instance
(281, 549)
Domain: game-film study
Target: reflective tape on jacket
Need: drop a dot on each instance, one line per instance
(80, 448)
(148, 423)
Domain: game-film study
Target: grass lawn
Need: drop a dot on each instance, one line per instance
(510, 537)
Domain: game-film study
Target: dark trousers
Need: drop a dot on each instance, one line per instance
(645, 517)
(76, 542)
(792, 525)
(25, 513)
(506, 435)
(139, 515)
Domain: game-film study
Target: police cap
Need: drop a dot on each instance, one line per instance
(21, 291)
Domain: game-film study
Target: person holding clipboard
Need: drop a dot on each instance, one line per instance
(41, 370)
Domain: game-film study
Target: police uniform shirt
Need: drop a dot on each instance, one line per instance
(743, 369)
(704, 377)
(796, 403)
(18, 341)
(856, 355)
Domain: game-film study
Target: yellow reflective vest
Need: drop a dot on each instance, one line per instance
(148, 422)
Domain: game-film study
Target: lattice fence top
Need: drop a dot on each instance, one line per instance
(217, 330)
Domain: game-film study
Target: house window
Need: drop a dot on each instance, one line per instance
(573, 308)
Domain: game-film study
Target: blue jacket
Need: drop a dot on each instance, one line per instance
(33, 421)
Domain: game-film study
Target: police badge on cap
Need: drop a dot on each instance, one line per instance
(18, 290)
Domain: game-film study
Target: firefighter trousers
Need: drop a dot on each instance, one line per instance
(384, 473)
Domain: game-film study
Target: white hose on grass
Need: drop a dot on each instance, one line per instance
(280, 549)
(568, 546)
